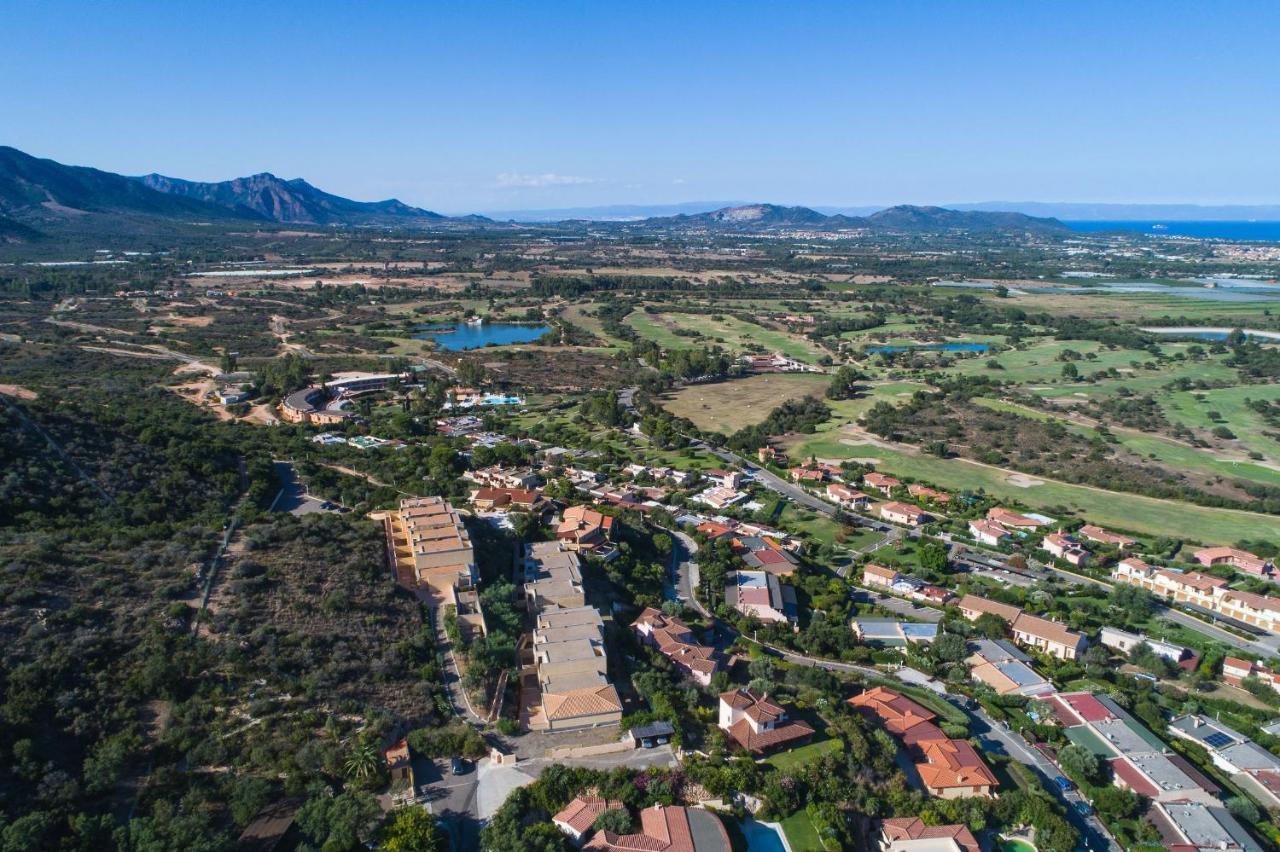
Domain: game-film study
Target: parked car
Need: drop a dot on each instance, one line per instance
(1064, 784)
(458, 766)
(1084, 809)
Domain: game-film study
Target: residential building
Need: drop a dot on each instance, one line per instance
(1124, 642)
(760, 595)
(720, 497)
(1200, 827)
(847, 497)
(759, 724)
(809, 475)
(881, 482)
(1064, 547)
(1005, 669)
(1101, 536)
(731, 479)
(879, 575)
(765, 554)
(892, 633)
(1051, 637)
(674, 640)
(497, 476)
(988, 532)
(507, 500)
(1201, 590)
(668, 828)
(309, 405)
(553, 577)
(1230, 750)
(1235, 670)
(947, 768)
(1241, 560)
(903, 513)
(578, 818)
(585, 530)
(430, 550)
(1139, 760)
(399, 764)
(932, 495)
(910, 834)
(1010, 519)
(973, 607)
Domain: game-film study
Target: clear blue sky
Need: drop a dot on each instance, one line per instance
(473, 106)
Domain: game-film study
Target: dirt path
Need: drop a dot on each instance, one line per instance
(84, 326)
(18, 392)
(367, 477)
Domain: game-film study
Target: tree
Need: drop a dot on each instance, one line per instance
(1080, 763)
(363, 760)
(412, 829)
(336, 822)
(933, 556)
(1135, 602)
(617, 821)
(990, 625)
(949, 648)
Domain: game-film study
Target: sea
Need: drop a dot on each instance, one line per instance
(1249, 230)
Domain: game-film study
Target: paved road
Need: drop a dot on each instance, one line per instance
(769, 480)
(293, 497)
(685, 570)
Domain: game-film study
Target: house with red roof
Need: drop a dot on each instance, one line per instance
(910, 834)
(585, 530)
(1101, 536)
(758, 723)
(1241, 560)
(668, 828)
(847, 497)
(1012, 520)
(989, 533)
(578, 818)
(881, 482)
(675, 641)
(903, 513)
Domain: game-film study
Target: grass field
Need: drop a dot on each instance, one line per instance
(727, 331)
(797, 757)
(1230, 404)
(728, 406)
(1130, 512)
(800, 833)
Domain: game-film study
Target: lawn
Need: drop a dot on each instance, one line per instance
(801, 835)
(1229, 402)
(1130, 512)
(797, 757)
(729, 406)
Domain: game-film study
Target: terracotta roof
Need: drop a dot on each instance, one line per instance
(591, 701)
(953, 763)
(1255, 601)
(665, 829)
(913, 828)
(880, 480)
(1098, 534)
(896, 713)
(877, 570)
(903, 509)
(1010, 518)
(758, 741)
(581, 813)
(990, 528)
(1043, 628)
(978, 604)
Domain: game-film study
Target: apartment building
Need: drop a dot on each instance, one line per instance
(430, 550)
(1201, 590)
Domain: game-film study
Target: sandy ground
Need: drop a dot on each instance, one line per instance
(18, 391)
(1021, 480)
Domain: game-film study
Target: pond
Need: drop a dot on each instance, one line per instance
(933, 347)
(1017, 846)
(460, 336)
(762, 837)
(1214, 334)
(1210, 290)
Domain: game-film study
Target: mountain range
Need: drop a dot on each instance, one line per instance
(40, 197)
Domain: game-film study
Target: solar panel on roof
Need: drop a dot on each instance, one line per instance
(1218, 739)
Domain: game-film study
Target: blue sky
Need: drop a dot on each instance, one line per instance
(479, 106)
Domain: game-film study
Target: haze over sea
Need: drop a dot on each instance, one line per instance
(1225, 230)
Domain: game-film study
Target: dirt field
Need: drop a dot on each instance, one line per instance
(728, 406)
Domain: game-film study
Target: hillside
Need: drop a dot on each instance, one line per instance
(900, 219)
(265, 196)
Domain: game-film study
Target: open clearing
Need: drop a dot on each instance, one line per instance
(727, 331)
(729, 406)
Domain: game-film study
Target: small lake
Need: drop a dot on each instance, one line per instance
(457, 337)
(1215, 335)
(932, 347)
(1223, 289)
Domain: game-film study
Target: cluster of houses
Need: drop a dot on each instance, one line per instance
(946, 767)
(1185, 805)
(776, 363)
(892, 580)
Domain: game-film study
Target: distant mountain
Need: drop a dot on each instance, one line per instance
(901, 219)
(611, 212)
(35, 192)
(39, 195)
(265, 196)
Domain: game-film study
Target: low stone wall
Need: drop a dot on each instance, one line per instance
(588, 751)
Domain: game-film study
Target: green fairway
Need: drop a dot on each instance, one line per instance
(1248, 426)
(728, 331)
(1129, 512)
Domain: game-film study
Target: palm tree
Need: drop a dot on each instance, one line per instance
(363, 760)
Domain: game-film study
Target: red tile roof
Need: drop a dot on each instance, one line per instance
(913, 828)
(953, 763)
(896, 713)
(1133, 778)
(581, 813)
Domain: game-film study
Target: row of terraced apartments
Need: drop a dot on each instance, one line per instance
(1201, 590)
